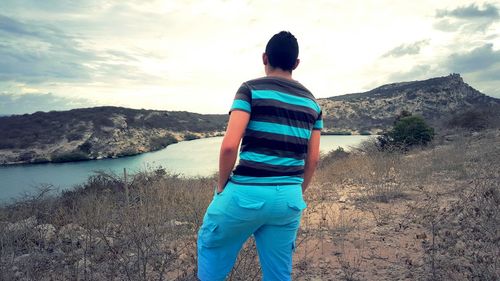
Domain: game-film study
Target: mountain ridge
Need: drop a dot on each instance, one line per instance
(110, 131)
(375, 110)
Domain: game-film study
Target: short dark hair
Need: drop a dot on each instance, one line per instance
(283, 50)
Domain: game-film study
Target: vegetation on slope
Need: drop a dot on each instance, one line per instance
(27, 130)
(429, 214)
(99, 132)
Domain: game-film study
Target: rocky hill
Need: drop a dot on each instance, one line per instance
(374, 111)
(99, 132)
(104, 132)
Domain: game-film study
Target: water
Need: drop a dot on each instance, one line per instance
(189, 158)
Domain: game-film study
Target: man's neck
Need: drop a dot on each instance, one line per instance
(279, 73)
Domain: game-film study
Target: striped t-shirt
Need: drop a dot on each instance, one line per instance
(283, 114)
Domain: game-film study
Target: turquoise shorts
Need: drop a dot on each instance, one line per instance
(271, 213)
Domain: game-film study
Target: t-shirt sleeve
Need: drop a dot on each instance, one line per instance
(242, 100)
(318, 125)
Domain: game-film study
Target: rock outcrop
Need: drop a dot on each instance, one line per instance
(100, 132)
(375, 110)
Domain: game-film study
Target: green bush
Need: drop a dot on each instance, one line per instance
(476, 119)
(190, 136)
(40, 160)
(85, 147)
(75, 135)
(127, 152)
(408, 131)
(338, 153)
(70, 157)
(27, 155)
(162, 142)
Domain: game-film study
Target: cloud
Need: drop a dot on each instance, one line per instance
(415, 73)
(407, 49)
(471, 11)
(469, 18)
(35, 52)
(31, 52)
(478, 59)
(479, 66)
(29, 103)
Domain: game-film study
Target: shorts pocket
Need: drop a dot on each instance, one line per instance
(248, 203)
(297, 205)
(209, 235)
(242, 208)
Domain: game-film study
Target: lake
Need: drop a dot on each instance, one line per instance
(189, 158)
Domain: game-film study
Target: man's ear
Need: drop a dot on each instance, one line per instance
(265, 59)
(296, 64)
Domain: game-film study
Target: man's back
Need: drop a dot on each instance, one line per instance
(274, 147)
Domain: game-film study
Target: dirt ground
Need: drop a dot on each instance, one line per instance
(344, 239)
(419, 217)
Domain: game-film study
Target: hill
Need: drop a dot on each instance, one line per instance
(434, 99)
(104, 132)
(99, 132)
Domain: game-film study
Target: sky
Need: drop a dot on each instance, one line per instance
(193, 55)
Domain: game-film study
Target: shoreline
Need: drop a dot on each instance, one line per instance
(27, 163)
(9, 164)
(46, 157)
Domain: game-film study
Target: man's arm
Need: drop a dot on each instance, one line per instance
(312, 158)
(238, 121)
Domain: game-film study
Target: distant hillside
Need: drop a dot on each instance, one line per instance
(103, 132)
(373, 111)
(99, 132)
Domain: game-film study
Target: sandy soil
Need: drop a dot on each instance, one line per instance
(345, 237)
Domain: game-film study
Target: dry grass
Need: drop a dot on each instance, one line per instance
(93, 234)
(430, 214)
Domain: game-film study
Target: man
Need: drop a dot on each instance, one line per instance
(278, 122)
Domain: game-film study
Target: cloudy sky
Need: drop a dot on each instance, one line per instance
(193, 55)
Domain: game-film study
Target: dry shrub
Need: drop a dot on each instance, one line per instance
(461, 209)
(466, 234)
(455, 187)
(476, 119)
(95, 233)
(98, 231)
(375, 172)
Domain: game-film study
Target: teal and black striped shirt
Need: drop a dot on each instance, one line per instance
(283, 114)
